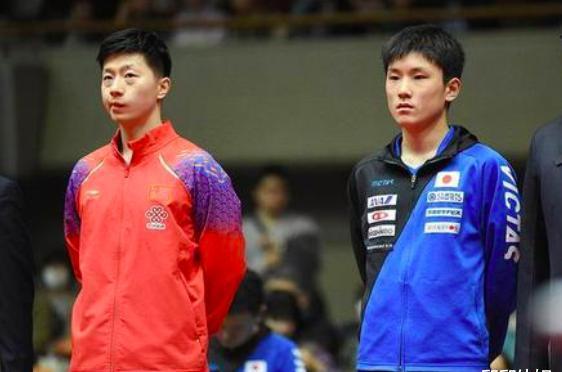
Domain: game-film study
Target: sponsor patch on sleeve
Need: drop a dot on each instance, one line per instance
(445, 196)
(444, 212)
(382, 200)
(381, 230)
(447, 179)
(442, 228)
(381, 215)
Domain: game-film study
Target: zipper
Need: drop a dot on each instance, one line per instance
(413, 183)
(114, 317)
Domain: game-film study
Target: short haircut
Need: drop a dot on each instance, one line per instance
(273, 170)
(146, 43)
(249, 296)
(432, 42)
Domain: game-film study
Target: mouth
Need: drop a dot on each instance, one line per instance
(404, 106)
(116, 105)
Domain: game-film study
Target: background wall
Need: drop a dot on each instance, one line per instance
(309, 101)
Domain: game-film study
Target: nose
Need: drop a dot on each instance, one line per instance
(404, 90)
(116, 89)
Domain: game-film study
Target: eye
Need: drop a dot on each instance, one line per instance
(420, 77)
(107, 77)
(130, 75)
(393, 77)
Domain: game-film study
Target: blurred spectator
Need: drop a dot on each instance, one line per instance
(245, 343)
(164, 9)
(198, 10)
(51, 332)
(82, 11)
(133, 11)
(290, 312)
(278, 240)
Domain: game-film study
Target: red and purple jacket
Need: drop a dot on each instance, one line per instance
(158, 250)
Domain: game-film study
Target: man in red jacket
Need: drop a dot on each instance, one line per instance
(152, 226)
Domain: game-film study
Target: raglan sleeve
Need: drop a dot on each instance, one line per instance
(217, 212)
(72, 221)
(502, 227)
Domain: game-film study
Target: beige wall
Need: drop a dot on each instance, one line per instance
(309, 101)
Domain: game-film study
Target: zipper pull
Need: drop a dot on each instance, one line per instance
(413, 181)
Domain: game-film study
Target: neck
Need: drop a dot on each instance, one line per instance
(420, 145)
(130, 131)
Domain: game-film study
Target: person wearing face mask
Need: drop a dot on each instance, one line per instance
(244, 343)
(16, 282)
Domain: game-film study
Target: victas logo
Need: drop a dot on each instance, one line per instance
(381, 230)
(447, 179)
(381, 183)
(156, 216)
(445, 197)
(382, 215)
(382, 200)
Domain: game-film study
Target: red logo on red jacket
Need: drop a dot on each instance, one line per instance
(156, 216)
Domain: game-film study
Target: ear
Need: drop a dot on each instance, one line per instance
(164, 86)
(452, 89)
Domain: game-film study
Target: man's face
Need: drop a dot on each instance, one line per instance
(271, 194)
(415, 92)
(130, 90)
(237, 329)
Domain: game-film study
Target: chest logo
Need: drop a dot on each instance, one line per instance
(156, 216)
(447, 179)
(445, 197)
(382, 200)
(382, 215)
(381, 230)
(442, 228)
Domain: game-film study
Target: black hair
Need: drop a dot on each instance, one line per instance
(146, 43)
(249, 296)
(431, 41)
(283, 305)
(273, 170)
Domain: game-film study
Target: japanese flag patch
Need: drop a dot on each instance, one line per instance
(447, 179)
(255, 366)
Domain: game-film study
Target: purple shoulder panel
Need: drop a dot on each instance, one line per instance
(71, 218)
(215, 203)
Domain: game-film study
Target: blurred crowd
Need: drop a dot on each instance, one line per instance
(201, 21)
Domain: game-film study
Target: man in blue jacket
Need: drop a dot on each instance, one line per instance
(16, 282)
(244, 343)
(434, 223)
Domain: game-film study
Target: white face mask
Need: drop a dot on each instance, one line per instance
(55, 277)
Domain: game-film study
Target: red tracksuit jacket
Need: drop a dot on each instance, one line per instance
(158, 250)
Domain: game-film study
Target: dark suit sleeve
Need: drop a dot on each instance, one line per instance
(16, 282)
(533, 266)
(355, 227)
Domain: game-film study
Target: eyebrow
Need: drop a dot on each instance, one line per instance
(122, 68)
(412, 70)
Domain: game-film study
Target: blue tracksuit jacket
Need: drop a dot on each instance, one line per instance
(437, 250)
